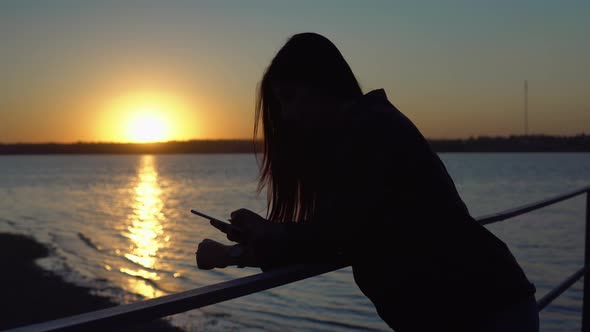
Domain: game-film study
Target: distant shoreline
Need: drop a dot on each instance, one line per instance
(537, 143)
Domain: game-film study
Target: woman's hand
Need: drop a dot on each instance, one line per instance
(266, 242)
(263, 243)
(250, 228)
(212, 254)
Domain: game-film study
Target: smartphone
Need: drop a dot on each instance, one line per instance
(220, 225)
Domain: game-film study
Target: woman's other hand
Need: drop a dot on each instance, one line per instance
(249, 227)
(267, 241)
(211, 254)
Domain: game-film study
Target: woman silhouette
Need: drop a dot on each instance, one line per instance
(349, 177)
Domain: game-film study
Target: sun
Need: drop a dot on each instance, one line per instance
(147, 124)
(147, 117)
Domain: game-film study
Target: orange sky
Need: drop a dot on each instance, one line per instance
(120, 72)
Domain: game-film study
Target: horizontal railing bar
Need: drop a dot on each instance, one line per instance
(492, 218)
(197, 298)
(180, 302)
(555, 292)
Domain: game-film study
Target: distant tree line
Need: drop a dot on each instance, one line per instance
(195, 146)
(531, 143)
(536, 143)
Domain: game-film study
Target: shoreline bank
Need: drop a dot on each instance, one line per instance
(32, 295)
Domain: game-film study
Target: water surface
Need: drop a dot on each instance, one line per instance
(121, 224)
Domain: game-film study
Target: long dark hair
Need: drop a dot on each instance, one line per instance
(312, 61)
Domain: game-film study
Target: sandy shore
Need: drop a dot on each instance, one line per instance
(32, 295)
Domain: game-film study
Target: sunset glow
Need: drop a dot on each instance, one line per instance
(103, 71)
(146, 117)
(148, 124)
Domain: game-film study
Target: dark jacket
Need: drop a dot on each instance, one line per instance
(388, 205)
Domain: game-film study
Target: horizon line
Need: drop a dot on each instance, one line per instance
(582, 134)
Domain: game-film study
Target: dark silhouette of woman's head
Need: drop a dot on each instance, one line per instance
(301, 88)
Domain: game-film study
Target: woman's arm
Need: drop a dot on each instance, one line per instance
(268, 244)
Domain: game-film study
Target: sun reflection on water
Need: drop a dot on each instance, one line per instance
(145, 231)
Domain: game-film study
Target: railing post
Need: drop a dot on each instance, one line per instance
(586, 300)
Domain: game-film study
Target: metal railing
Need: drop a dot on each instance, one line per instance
(148, 310)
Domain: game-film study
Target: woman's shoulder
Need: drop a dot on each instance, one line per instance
(375, 117)
(372, 103)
